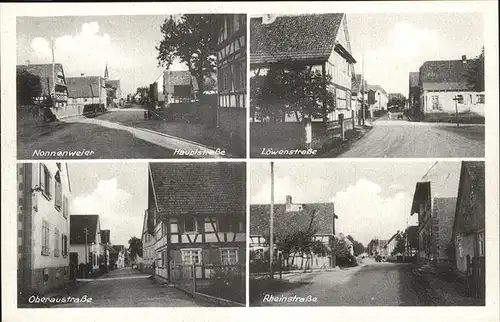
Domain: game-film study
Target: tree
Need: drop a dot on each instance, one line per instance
(28, 87)
(135, 247)
(474, 73)
(192, 39)
(288, 88)
(400, 246)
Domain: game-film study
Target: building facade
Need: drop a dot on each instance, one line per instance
(232, 75)
(469, 225)
(196, 213)
(179, 86)
(86, 246)
(434, 202)
(148, 244)
(52, 81)
(86, 90)
(444, 91)
(319, 42)
(377, 98)
(44, 192)
(289, 218)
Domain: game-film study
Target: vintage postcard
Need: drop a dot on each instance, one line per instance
(241, 161)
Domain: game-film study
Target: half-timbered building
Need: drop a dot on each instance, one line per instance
(196, 213)
(290, 218)
(232, 75)
(319, 42)
(52, 82)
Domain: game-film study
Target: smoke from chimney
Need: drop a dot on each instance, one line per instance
(27, 63)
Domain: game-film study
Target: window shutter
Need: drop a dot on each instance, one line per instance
(41, 176)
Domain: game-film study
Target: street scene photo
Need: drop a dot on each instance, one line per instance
(367, 233)
(131, 234)
(131, 87)
(331, 85)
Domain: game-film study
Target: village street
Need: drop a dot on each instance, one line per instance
(376, 284)
(118, 133)
(129, 287)
(400, 139)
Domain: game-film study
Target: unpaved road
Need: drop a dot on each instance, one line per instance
(403, 139)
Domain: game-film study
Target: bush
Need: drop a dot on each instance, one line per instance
(347, 261)
(227, 283)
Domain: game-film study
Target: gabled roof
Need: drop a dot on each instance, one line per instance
(444, 75)
(318, 216)
(44, 71)
(77, 225)
(179, 77)
(377, 88)
(300, 37)
(85, 86)
(440, 181)
(199, 188)
(414, 78)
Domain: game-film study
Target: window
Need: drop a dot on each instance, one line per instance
(45, 238)
(480, 98)
(481, 243)
(229, 256)
(190, 225)
(45, 181)
(58, 196)
(56, 243)
(64, 245)
(65, 206)
(191, 256)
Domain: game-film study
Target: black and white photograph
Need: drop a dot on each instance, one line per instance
(131, 87)
(131, 234)
(367, 85)
(367, 234)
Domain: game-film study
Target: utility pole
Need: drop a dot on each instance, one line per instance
(271, 223)
(86, 232)
(363, 90)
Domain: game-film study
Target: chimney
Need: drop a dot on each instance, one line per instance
(81, 75)
(464, 59)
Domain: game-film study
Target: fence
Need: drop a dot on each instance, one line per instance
(219, 281)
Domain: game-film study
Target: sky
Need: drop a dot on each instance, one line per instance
(372, 199)
(117, 192)
(84, 45)
(395, 44)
